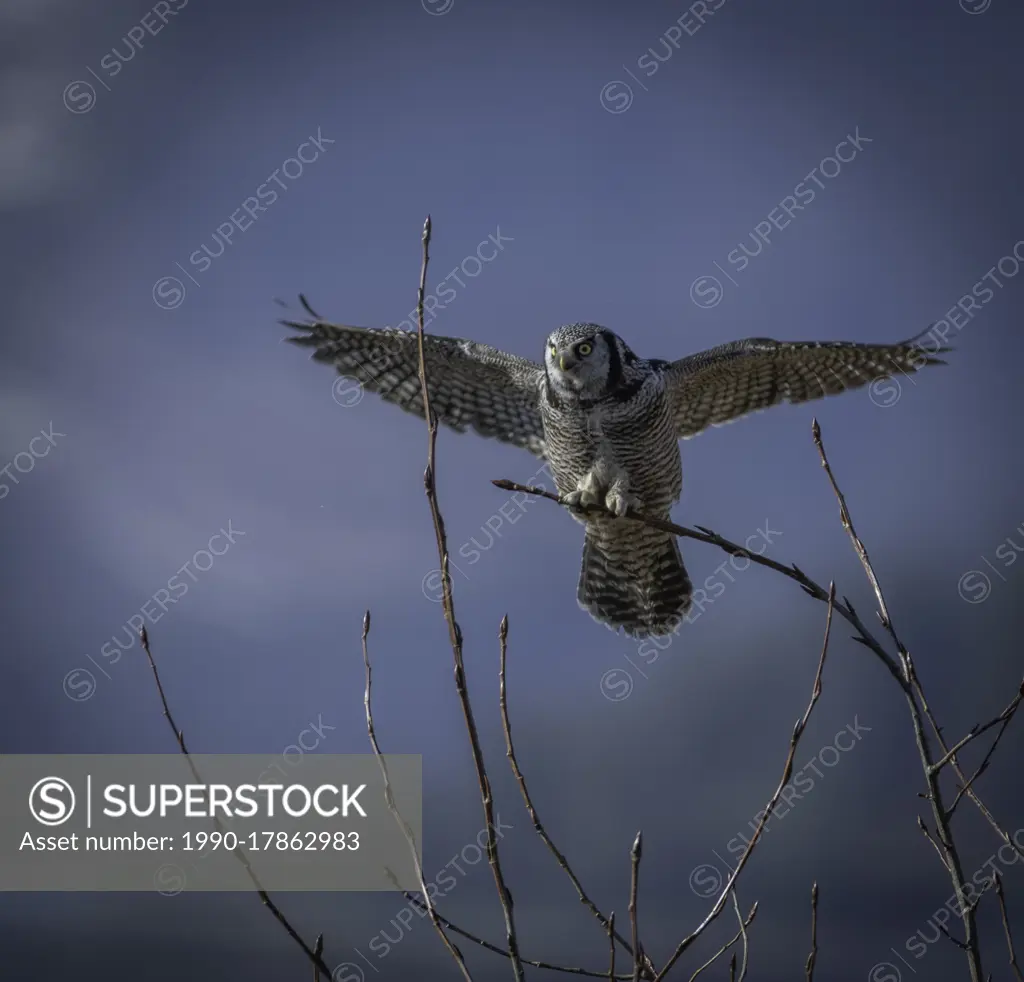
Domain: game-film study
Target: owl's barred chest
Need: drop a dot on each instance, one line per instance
(636, 439)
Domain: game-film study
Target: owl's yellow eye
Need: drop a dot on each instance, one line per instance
(585, 349)
(554, 350)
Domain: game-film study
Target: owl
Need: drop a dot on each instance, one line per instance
(608, 423)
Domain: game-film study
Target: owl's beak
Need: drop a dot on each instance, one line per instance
(566, 361)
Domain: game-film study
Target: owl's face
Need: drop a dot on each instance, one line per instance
(579, 359)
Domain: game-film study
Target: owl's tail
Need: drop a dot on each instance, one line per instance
(633, 578)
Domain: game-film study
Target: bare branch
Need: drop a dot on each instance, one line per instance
(787, 771)
(611, 946)
(498, 950)
(721, 951)
(862, 553)
(510, 753)
(634, 884)
(314, 956)
(743, 934)
(813, 956)
(455, 632)
(976, 731)
(931, 839)
(966, 787)
(959, 944)
(983, 766)
(453, 949)
(939, 812)
(999, 830)
(1006, 928)
(318, 950)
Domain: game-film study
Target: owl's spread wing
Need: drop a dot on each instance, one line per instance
(724, 383)
(471, 385)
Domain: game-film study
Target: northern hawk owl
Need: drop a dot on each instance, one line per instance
(608, 422)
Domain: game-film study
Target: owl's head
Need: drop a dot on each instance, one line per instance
(585, 361)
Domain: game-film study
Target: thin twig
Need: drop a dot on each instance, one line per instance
(983, 766)
(721, 951)
(454, 631)
(976, 731)
(318, 950)
(813, 956)
(1006, 927)
(453, 948)
(498, 950)
(611, 946)
(927, 834)
(314, 956)
(798, 730)
(634, 885)
(940, 815)
(989, 817)
(965, 785)
(862, 553)
(743, 934)
(510, 753)
(959, 944)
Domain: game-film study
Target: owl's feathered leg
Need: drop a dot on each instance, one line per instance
(633, 578)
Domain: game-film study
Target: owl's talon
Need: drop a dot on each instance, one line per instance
(571, 500)
(620, 502)
(583, 498)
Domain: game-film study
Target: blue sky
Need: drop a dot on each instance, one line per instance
(617, 192)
